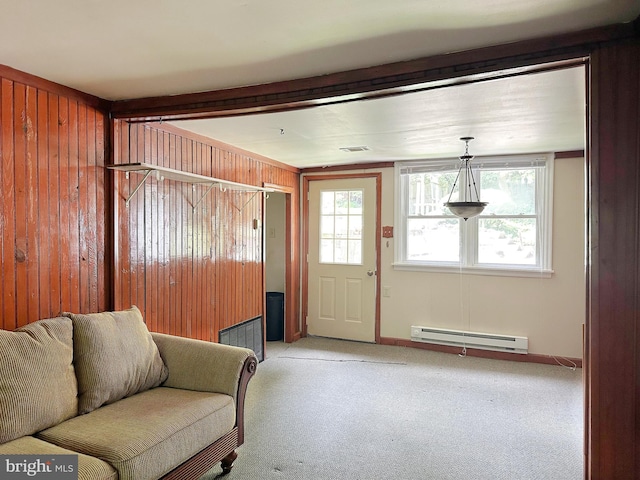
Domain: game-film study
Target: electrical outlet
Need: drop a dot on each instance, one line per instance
(386, 291)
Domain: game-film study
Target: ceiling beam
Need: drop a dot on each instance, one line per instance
(438, 71)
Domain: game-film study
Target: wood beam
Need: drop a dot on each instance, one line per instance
(432, 72)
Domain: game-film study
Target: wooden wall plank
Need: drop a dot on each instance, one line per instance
(39, 199)
(85, 234)
(91, 212)
(53, 213)
(74, 208)
(151, 233)
(7, 198)
(174, 242)
(20, 189)
(30, 198)
(122, 277)
(164, 207)
(137, 213)
(64, 203)
(103, 195)
(185, 252)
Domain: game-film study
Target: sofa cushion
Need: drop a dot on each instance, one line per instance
(37, 381)
(89, 468)
(147, 435)
(114, 356)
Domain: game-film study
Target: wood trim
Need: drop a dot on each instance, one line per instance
(311, 92)
(351, 166)
(55, 88)
(474, 352)
(305, 241)
(570, 154)
(383, 79)
(304, 233)
(379, 165)
(612, 336)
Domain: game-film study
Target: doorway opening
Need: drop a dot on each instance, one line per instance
(275, 228)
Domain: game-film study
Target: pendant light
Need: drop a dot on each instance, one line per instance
(467, 207)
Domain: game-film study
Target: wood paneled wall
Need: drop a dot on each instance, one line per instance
(53, 221)
(190, 271)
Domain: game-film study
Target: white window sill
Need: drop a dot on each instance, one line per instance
(488, 270)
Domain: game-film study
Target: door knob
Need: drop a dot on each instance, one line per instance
(370, 273)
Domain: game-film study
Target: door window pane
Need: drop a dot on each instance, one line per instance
(327, 203)
(342, 202)
(326, 251)
(341, 226)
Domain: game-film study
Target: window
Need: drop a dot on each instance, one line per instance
(341, 226)
(511, 236)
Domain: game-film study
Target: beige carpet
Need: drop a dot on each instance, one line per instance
(331, 409)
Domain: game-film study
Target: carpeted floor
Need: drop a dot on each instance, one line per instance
(331, 409)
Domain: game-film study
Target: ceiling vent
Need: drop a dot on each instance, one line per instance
(362, 148)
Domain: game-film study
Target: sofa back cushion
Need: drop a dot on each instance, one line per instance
(114, 356)
(38, 386)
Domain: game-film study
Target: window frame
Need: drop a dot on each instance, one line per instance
(468, 243)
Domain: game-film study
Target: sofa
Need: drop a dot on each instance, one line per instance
(131, 404)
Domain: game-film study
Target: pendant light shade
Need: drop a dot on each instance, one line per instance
(467, 207)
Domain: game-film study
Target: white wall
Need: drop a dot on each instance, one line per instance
(549, 311)
(274, 239)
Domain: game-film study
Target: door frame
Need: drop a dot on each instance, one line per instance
(306, 179)
(291, 321)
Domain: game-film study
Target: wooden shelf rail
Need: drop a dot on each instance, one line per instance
(162, 173)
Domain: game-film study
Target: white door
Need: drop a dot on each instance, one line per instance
(342, 259)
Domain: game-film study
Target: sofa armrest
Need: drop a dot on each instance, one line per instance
(205, 366)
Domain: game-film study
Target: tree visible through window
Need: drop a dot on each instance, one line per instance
(513, 232)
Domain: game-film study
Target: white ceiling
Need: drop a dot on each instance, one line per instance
(121, 49)
(530, 113)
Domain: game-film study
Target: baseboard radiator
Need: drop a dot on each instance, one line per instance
(459, 338)
(247, 334)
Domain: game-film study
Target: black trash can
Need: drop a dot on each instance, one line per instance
(275, 316)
